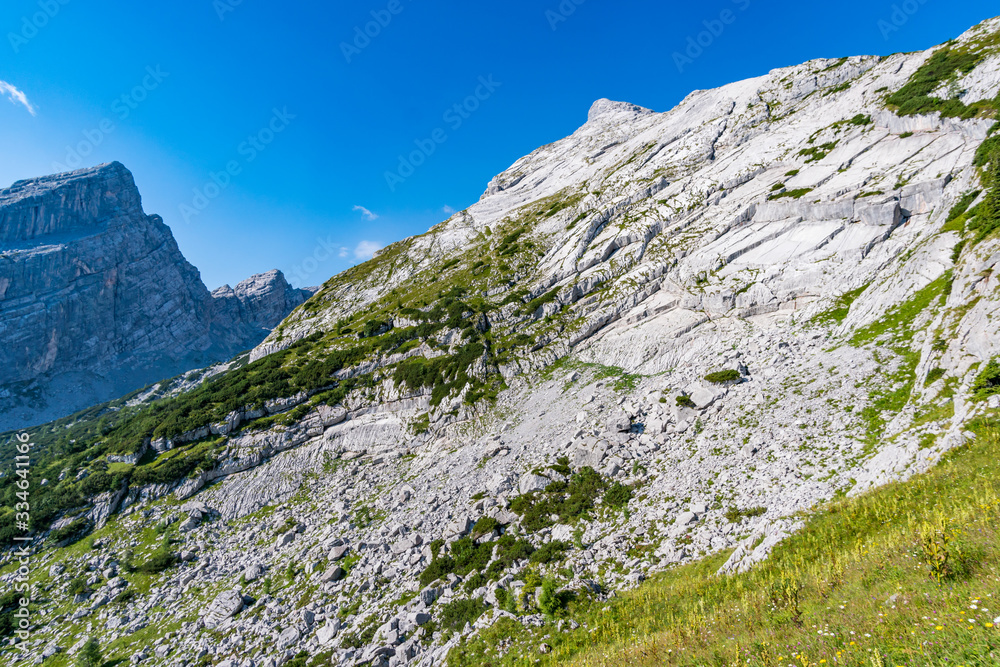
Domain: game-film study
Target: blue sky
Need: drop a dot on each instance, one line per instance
(300, 119)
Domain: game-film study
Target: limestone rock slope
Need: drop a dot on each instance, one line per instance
(96, 299)
(664, 336)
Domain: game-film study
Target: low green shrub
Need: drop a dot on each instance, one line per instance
(617, 496)
(485, 526)
(987, 383)
(70, 533)
(722, 377)
(78, 586)
(454, 615)
(550, 551)
(438, 568)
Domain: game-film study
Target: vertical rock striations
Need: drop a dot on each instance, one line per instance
(96, 299)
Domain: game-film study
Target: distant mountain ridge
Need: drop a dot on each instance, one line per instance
(96, 299)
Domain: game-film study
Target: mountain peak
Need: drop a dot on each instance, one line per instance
(73, 202)
(604, 107)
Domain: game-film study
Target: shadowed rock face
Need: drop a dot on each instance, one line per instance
(96, 299)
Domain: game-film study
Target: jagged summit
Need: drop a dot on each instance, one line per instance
(96, 299)
(76, 201)
(32, 186)
(606, 107)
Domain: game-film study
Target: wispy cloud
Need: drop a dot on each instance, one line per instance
(365, 213)
(16, 96)
(448, 209)
(366, 249)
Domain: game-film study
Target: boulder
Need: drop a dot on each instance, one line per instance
(532, 482)
(225, 605)
(618, 422)
(328, 631)
(288, 637)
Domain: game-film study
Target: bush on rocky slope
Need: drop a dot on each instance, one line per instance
(987, 383)
(944, 66)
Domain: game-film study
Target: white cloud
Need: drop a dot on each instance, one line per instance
(366, 249)
(16, 96)
(448, 209)
(344, 252)
(365, 213)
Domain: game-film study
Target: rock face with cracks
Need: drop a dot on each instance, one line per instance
(96, 299)
(716, 318)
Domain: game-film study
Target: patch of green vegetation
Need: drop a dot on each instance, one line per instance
(70, 533)
(617, 496)
(837, 63)
(955, 221)
(735, 514)
(422, 423)
(444, 375)
(568, 500)
(685, 401)
(161, 559)
(78, 586)
(896, 329)
(484, 526)
(793, 194)
(987, 383)
(933, 375)
(898, 321)
(842, 307)
(537, 303)
(837, 89)
(945, 65)
(550, 551)
(817, 153)
(623, 380)
(365, 516)
(986, 220)
(723, 377)
(898, 575)
(466, 556)
(454, 615)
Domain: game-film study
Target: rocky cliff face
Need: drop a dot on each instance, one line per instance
(779, 291)
(253, 308)
(96, 299)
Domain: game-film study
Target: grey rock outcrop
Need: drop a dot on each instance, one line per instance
(97, 300)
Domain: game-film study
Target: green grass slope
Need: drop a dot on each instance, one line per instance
(907, 574)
